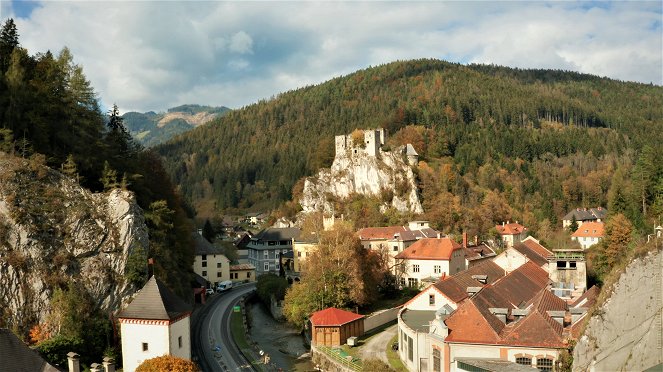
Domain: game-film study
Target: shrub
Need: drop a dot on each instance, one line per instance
(167, 363)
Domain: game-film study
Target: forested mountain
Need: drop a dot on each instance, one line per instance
(150, 128)
(49, 116)
(496, 143)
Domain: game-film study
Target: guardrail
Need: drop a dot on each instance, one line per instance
(346, 360)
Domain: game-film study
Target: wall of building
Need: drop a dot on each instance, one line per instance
(181, 328)
(301, 250)
(258, 259)
(380, 318)
(133, 337)
(243, 275)
(422, 301)
(211, 271)
(510, 260)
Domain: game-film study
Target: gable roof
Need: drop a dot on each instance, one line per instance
(546, 301)
(534, 251)
(521, 285)
(430, 249)
(155, 301)
(534, 330)
(17, 356)
(477, 252)
(589, 229)
(202, 246)
(469, 324)
(398, 233)
(588, 298)
(512, 228)
(332, 316)
(584, 214)
(277, 234)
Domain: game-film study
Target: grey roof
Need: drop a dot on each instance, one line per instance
(409, 150)
(202, 246)
(419, 320)
(276, 234)
(155, 301)
(16, 356)
(493, 365)
(584, 214)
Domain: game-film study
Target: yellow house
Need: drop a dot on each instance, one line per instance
(243, 272)
(302, 248)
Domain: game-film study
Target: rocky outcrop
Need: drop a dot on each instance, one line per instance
(625, 333)
(387, 175)
(53, 232)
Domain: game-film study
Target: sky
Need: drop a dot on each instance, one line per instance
(153, 55)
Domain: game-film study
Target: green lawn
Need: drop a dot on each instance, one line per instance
(239, 335)
(392, 356)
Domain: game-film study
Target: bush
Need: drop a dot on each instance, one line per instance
(271, 285)
(167, 363)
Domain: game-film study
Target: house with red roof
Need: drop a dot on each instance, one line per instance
(527, 250)
(588, 234)
(428, 259)
(332, 326)
(511, 233)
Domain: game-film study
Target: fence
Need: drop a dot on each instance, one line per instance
(339, 356)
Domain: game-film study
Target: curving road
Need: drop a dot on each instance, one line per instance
(212, 346)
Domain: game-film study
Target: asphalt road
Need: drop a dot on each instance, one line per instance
(212, 346)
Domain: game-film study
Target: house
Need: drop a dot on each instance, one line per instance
(568, 272)
(242, 273)
(583, 215)
(528, 250)
(155, 323)
(302, 248)
(394, 239)
(209, 261)
(511, 233)
(17, 356)
(241, 242)
(265, 248)
(509, 322)
(332, 326)
(255, 218)
(588, 234)
(428, 259)
(476, 252)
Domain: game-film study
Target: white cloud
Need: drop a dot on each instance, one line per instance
(154, 55)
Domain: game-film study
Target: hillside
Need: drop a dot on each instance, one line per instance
(150, 128)
(495, 142)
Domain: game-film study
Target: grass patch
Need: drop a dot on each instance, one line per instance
(239, 336)
(392, 355)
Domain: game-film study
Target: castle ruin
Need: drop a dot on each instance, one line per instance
(374, 139)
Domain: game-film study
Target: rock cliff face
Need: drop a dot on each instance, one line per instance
(386, 175)
(52, 232)
(626, 333)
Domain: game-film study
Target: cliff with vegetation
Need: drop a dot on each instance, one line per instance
(625, 333)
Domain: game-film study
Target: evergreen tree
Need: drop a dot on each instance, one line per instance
(8, 41)
(208, 231)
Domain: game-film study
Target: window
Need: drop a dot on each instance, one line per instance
(561, 264)
(299, 254)
(278, 266)
(218, 274)
(431, 299)
(285, 251)
(145, 347)
(204, 263)
(412, 282)
(437, 269)
(248, 274)
(544, 364)
(436, 360)
(204, 257)
(524, 361)
(395, 248)
(415, 268)
(266, 254)
(572, 264)
(410, 352)
(218, 265)
(266, 267)
(204, 273)
(179, 341)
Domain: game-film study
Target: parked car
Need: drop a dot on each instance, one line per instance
(224, 286)
(209, 291)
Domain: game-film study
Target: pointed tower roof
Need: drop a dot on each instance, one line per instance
(155, 301)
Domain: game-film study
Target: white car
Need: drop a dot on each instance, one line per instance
(209, 291)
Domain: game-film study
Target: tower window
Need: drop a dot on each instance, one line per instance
(145, 347)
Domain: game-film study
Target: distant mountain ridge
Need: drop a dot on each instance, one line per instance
(151, 129)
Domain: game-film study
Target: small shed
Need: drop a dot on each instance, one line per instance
(332, 326)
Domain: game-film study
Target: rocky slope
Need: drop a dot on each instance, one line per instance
(625, 334)
(387, 176)
(53, 232)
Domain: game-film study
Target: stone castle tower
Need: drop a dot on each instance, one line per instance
(374, 139)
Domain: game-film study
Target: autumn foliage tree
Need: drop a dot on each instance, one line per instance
(167, 363)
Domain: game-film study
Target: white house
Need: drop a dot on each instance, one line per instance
(588, 234)
(527, 250)
(511, 233)
(155, 323)
(428, 259)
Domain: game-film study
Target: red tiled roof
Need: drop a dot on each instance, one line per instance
(512, 228)
(242, 267)
(375, 233)
(469, 324)
(534, 330)
(588, 298)
(333, 317)
(534, 245)
(538, 255)
(546, 301)
(589, 230)
(430, 249)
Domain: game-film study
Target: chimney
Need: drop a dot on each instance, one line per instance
(73, 361)
(502, 223)
(557, 315)
(109, 365)
(464, 240)
(499, 312)
(439, 235)
(95, 367)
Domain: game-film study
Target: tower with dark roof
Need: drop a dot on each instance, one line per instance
(155, 323)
